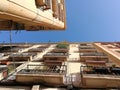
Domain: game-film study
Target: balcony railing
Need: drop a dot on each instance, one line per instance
(85, 44)
(36, 50)
(100, 70)
(22, 55)
(56, 54)
(92, 54)
(44, 69)
(100, 77)
(53, 61)
(86, 47)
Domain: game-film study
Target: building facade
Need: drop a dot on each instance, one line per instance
(81, 65)
(32, 15)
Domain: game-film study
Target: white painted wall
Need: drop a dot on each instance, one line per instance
(74, 52)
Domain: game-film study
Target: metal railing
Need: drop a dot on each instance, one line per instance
(22, 54)
(86, 47)
(100, 70)
(56, 54)
(92, 54)
(44, 69)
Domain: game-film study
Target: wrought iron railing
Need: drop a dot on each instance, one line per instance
(44, 69)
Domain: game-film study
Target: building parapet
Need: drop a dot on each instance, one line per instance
(51, 74)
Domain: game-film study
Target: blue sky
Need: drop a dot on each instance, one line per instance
(87, 21)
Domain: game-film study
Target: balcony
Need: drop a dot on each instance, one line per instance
(45, 46)
(22, 56)
(95, 63)
(49, 74)
(86, 44)
(60, 57)
(56, 54)
(100, 77)
(84, 47)
(87, 49)
(36, 50)
(93, 56)
(54, 62)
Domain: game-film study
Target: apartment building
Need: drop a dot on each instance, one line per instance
(80, 65)
(32, 15)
